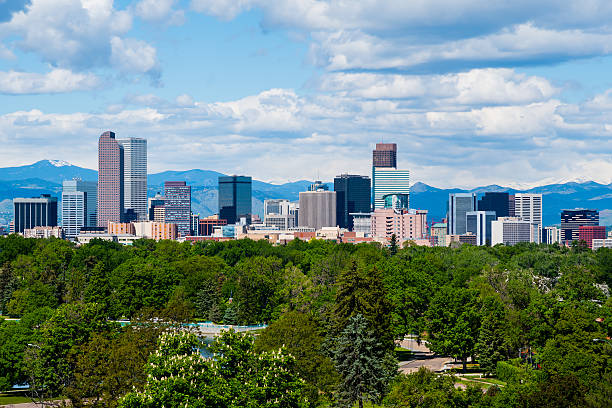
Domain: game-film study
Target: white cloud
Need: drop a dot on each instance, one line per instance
(159, 11)
(56, 81)
(133, 56)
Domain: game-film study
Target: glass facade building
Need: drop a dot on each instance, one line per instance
(390, 181)
(498, 202)
(459, 204)
(353, 195)
(479, 224)
(571, 220)
(177, 206)
(235, 200)
(134, 177)
(110, 180)
(34, 212)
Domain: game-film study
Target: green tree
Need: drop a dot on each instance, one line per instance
(301, 336)
(454, 322)
(393, 245)
(231, 313)
(491, 346)
(361, 364)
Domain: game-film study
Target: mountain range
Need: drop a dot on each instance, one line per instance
(46, 176)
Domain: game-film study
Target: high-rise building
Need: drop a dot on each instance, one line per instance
(90, 188)
(404, 224)
(177, 206)
(551, 235)
(110, 180)
(512, 230)
(479, 224)
(511, 205)
(397, 201)
(352, 196)
(195, 224)
(74, 212)
(34, 212)
(528, 207)
(494, 201)
(317, 209)
(389, 181)
(571, 220)
(385, 155)
(459, 204)
(318, 185)
(235, 200)
(588, 233)
(362, 223)
(135, 176)
(280, 213)
(208, 224)
(156, 208)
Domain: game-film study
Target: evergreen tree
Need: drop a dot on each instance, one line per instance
(393, 245)
(231, 314)
(360, 363)
(491, 345)
(205, 299)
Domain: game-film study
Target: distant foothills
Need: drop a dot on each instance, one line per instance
(46, 176)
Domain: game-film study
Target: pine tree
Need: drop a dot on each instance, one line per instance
(360, 363)
(205, 299)
(491, 345)
(231, 314)
(393, 245)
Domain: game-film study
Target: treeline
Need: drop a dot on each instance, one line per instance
(545, 311)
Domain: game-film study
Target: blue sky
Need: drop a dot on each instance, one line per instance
(473, 92)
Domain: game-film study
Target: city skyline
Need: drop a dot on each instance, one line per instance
(238, 86)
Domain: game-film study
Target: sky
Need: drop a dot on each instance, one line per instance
(474, 92)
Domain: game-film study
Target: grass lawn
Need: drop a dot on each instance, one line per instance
(6, 399)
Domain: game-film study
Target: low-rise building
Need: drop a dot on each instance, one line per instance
(602, 243)
(44, 232)
(155, 230)
(404, 224)
(512, 230)
(116, 228)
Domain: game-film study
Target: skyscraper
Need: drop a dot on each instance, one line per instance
(512, 230)
(529, 208)
(385, 155)
(177, 206)
(110, 180)
(135, 176)
(79, 204)
(235, 198)
(352, 196)
(390, 181)
(571, 220)
(34, 212)
(317, 209)
(479, 224)
(459, 204)
(494, 201)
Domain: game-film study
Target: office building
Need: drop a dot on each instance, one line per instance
(529, 208)
(34, 212)
(134, 177)
(235, 200)
(459, 204)
(318, 185)
(404, 224)
(317, 209)
(493, 201)
(602, 243)
(468, 238)
(389, 181)
(512, 230)
(208, 224)
(438, 233)
(155, 230)
(588, 233)
(384, 155)
(396, 201)
(511, 201)
(110, 179)
(571, 220)
(157, 211)
(280, 213)
(44, 232)
(551, 235)
(352, 196)
(362, 223)
(121, 228)
(90, 188)
(478, 223)
(195, 224)
(177, 206)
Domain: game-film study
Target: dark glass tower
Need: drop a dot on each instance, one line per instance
(352, 196)
(177, 204)
(35, 212)
(385, 155)
(498, 202)
(571, 220)
(235, 198)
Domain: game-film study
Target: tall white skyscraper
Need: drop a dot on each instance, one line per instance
(390, 180)
(529, 208)
(135, 176)
(79, 206)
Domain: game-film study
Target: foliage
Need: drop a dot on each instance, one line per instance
(178, 375)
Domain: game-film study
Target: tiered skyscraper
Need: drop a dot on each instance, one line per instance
(122, 179)
(110, 180)
(386, 178)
